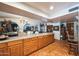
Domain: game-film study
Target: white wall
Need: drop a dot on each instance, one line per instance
(56, 33)
(22, 20)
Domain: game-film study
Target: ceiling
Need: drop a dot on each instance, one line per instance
(8, 15)
(65, 18)
(44, 6)
(11, 10)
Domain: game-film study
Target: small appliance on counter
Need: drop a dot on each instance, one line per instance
(29, 32)
(11, 34)
(2, 36)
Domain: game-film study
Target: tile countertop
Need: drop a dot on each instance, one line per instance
(23, 36)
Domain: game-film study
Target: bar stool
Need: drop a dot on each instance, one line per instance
(73, 47)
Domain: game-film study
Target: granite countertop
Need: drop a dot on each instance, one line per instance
(23, 36)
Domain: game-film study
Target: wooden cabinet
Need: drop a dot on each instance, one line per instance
(26, 46)
(14, 42)
(30, 45)
(4, 51)
(48, 39)
(41, 42)
(3, 45)
(16, 48)
(45, 40)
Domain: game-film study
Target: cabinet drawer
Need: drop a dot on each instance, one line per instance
(30, 39)
(30, 43)
(3, 45)
(14, 42)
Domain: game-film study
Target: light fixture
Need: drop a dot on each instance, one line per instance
(51, 7)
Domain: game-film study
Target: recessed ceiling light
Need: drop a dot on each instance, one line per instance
(51, 7)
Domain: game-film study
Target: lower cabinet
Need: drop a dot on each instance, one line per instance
(30, 45)
(48, 39)
(45, 40)
(16, 50)
(4, 51)
(41, 42)
(26, 46)
(51, 38)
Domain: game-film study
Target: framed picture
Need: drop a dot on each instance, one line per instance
(56, 28)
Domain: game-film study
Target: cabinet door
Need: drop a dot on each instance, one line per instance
(1, 51)
(41, 41)
(48, 39)
(4, 51)
(16, 50)
(30, 45)
(45, 40)
(51, 38)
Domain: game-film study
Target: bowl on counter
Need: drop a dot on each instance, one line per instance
(3, 37)
(36, 32)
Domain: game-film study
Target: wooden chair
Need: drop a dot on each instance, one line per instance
(72, 44)
(73, 47)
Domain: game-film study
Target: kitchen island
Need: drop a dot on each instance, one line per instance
(23, 45)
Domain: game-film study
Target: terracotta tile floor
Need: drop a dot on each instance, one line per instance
(58, 48)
